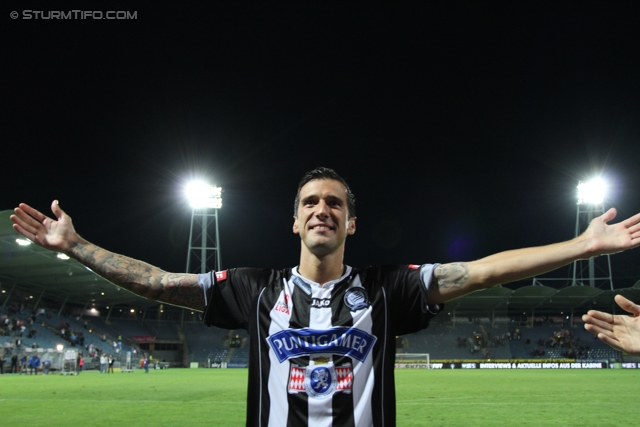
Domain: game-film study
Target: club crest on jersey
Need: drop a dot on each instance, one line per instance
(351, 342)
(356, 299)
(320, 380)
(221, 275)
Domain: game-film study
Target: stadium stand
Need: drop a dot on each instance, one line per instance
(205, 344)
(445, 339)
(163, 330)
(129, 328)
(504, 339)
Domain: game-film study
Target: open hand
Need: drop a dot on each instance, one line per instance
(56, 235)
(619, 331)
(611, 238)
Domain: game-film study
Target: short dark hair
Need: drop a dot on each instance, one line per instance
(325, 173)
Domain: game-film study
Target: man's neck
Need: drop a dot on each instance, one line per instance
(321, 270)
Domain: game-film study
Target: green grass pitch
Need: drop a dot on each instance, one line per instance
(212, 397)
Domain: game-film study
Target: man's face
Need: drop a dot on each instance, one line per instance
(323, 221)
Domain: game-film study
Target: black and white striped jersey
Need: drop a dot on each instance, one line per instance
(320, 356)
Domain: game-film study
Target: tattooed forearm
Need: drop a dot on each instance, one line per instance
(181, 289)
(141, 278)
(453, 275)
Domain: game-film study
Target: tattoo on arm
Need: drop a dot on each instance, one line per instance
(179, 289)
(451, 276)
(142, 278)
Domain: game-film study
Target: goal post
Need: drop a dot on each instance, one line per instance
(413, 361)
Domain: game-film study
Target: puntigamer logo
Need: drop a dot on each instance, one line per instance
(343, 341)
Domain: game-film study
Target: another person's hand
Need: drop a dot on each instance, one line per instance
(619, 331)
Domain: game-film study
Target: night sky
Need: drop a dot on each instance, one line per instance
(463, 128)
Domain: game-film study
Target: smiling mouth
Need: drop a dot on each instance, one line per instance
(322, 227)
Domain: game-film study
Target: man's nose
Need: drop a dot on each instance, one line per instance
(322, 209)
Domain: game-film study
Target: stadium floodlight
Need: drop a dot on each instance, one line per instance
(201, 195)
(23, 242)
(205, 201)
(591, 197)
(592, 192)
(595, 271)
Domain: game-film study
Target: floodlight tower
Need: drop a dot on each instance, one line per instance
(590, 204)
(205, 201)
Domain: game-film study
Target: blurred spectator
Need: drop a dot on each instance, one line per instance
(46, 365)
(14, 364)
(23, 365)
(34, 364)
(103, 363)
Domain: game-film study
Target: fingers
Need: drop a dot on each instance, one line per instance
(634, 231)
(55, 208)
(29, 221)
(606, 335)
(592, 328)
(35, 215)
(597, 326)
(633, 225)
(627, 305)
(29, 235)
(609, 215)
(634, 220)
(24, 223)
(598, 318)
(610, 341)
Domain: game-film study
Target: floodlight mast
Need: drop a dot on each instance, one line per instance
(590, 203)
(205, 200)
(591, 197)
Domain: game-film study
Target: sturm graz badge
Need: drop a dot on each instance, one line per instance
(320, 380)
(356, 299)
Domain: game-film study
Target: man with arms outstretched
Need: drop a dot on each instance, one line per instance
(322, 333)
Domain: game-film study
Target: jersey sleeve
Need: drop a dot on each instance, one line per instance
(230, 295)
(406, 288)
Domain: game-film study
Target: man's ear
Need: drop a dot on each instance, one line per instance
(351, 229)
(295, 225)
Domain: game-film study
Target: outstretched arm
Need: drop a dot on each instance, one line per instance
(619, 331)
(457, 279)
(138, 277)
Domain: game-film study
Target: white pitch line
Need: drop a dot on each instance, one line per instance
(434, 402)
(181, 402)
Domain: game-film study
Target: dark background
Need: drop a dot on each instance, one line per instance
(462, 127)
